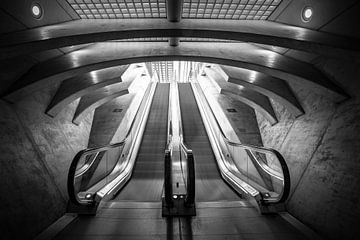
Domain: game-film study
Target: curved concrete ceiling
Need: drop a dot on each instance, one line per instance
(78, 86)
(267, 112)
(109, 54)
(271, 87)
(91, 31)
(91, 101)
(255, 100)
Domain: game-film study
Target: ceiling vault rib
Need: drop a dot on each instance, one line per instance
(262, 32)
(104, 55)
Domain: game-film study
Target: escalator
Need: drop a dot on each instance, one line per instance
(209, 184)
(129, 189)
(147, 179)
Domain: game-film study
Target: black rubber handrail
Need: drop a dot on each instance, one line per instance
(72, 170)
(168, 180)
(190, 186)
(286, 179)
(190, 166)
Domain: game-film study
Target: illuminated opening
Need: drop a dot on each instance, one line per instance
(36, 10)
(307, 14)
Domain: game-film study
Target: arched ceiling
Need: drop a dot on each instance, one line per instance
(90, 31)
(266, 36)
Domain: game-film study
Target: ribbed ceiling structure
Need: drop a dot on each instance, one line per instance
(110, 40)
(208, 9)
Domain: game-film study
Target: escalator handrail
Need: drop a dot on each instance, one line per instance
(190, 186)
(284, 167)
(190, 165)
(72, 170)
(168, 188)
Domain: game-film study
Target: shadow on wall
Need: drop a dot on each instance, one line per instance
(36, 154)
(321, 149)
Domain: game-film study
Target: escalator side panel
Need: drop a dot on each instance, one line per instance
(146, 183)
(209, 184)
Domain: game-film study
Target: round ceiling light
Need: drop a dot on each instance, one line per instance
(307, 14)
(36, 10)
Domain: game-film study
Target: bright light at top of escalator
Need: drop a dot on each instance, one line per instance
(174, 71)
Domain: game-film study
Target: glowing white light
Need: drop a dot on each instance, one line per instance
(307, 13)
(94, 77)
(36, 10)
(252, 77)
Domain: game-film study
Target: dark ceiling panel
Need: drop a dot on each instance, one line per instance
(12, 69)
(21, 10)
(346, 24)
(45, 55)
(324, 11)
(301, 56)
(9, 24)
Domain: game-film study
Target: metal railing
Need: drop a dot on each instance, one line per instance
(187, 161)
(168, 181)
(257, 172)
(100, 172)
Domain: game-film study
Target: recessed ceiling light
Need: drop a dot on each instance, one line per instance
(307, 14)
(36, 10)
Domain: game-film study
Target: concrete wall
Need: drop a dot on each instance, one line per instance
(321, 149)
(106, 120)
(36, 151)
(240, 125)
(243, 121)
(111, 127)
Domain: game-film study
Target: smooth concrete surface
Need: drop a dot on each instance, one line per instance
(94, 99)
(89, 31)
(107, 119)
(321, 149)
(109, 54)
(271, 87)
(269, 114)
(239, 126)
(36, 154)
(140, 88)
(91, 101)
(78, 86)
(256, 100)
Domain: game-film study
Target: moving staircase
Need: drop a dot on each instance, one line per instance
(127, 190)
